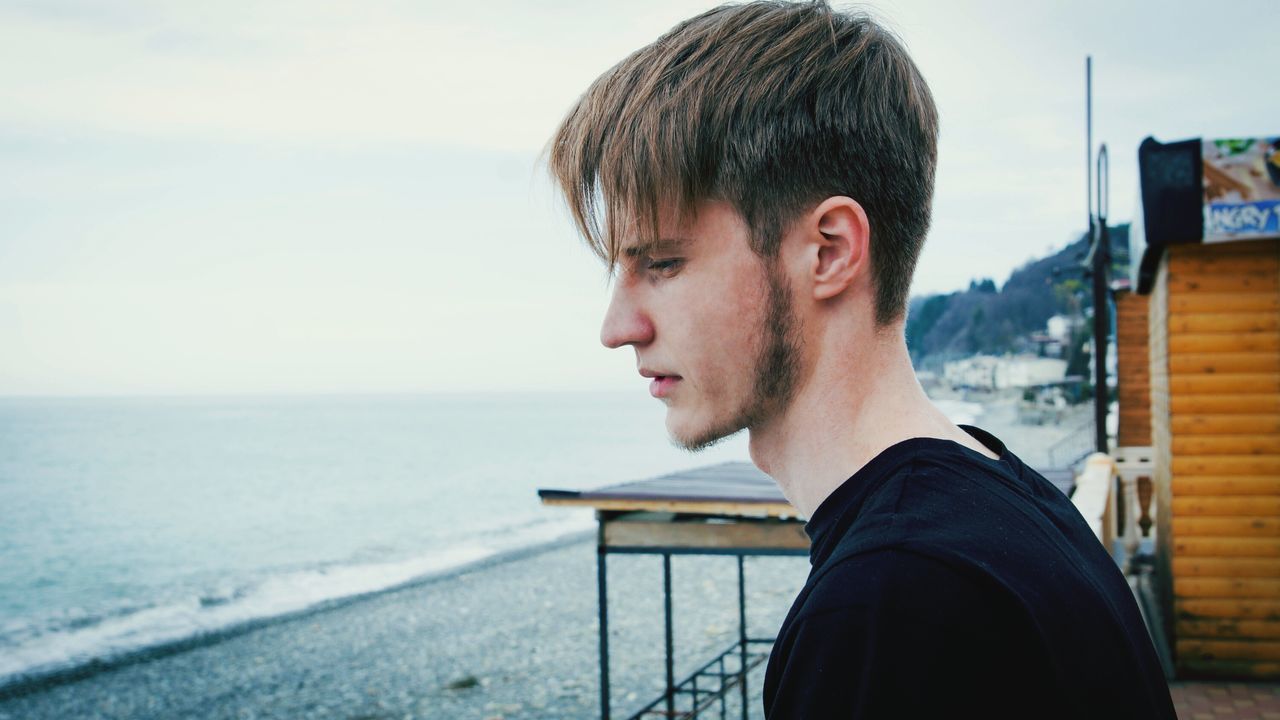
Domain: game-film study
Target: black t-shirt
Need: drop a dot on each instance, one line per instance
(947, 584)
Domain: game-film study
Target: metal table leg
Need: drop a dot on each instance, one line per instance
(742, 628)
(603, 603)
(671, 669)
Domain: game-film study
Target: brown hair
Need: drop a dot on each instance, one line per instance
(772, 107)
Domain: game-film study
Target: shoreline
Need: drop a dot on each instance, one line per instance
(511, 639)
(24, 684)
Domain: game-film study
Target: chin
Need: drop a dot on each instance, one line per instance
(697, 434)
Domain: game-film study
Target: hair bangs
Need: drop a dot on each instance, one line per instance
(627, 156)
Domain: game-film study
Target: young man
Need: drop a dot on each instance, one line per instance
(759, 180)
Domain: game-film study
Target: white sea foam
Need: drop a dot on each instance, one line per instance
(29, 653)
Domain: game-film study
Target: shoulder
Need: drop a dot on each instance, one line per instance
(894, 633)
(894, 582)
(970, 510)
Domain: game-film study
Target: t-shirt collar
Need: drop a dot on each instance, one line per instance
(846, 501)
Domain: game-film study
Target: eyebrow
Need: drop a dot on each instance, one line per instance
(656, 246)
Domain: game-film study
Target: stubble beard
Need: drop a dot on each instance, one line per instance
(776, 368)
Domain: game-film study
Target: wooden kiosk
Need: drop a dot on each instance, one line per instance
(1211, 272)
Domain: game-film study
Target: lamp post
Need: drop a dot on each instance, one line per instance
(1099, 262)
(1101, 306)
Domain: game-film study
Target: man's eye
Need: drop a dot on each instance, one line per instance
(665, 265)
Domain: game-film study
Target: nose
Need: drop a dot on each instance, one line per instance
(625, 322)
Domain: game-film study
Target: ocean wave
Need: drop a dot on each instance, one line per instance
(30, 652)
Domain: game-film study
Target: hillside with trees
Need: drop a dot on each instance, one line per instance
(984, 319)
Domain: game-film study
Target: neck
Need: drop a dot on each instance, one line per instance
(849, 408)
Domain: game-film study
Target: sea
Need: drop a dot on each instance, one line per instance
(129, 524)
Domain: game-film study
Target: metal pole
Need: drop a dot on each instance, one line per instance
(1099, 416)
(602, 591)
(1101, 306)
(1088, 139)
(742, 629)
(671, 671)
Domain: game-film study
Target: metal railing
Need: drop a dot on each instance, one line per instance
(1075, 446)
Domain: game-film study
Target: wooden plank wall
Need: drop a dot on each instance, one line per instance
(1162, 443)
(1215, 400)
(1133, 369)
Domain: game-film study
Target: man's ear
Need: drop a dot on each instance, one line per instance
(840, 249)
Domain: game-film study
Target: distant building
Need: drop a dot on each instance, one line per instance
(1047, 346)
(978, 372)
(1059, 328)
(986, 372)
(1028, 371)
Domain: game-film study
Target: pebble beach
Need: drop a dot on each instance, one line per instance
(514, 637)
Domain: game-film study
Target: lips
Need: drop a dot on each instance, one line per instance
(660, 385)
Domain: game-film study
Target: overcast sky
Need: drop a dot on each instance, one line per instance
(249, 196)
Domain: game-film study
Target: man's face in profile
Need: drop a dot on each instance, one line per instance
(710, 325)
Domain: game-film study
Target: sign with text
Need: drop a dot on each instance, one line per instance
(1241, 188)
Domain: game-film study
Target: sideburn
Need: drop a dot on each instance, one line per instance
(777, 367)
